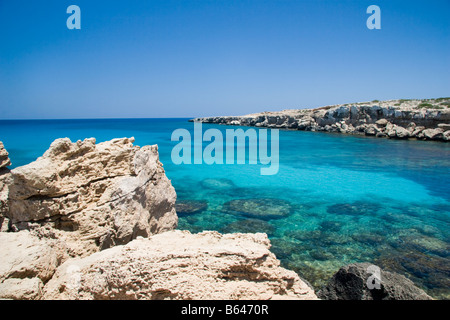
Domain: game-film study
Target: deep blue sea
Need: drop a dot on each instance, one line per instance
(336, 199)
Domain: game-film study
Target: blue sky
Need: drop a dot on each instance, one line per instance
(200, 58)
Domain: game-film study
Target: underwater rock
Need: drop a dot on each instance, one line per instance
(354, 209)
(320, 254)
(187, 207)
(430, 271)
(368, 238)
(259, 208)
(304, 235)
(332, 226)
(249, 226)
(283, 249)
(217, 184)
(350, 283)
(421, 243)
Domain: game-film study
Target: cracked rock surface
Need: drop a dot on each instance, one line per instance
(92, 196)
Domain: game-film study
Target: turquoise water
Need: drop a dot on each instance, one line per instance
(336, 199)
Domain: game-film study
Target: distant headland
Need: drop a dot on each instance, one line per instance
(425, 119)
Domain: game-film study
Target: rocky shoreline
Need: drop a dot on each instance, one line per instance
(97, 221)
(395, 119)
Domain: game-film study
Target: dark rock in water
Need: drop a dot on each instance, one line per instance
(431, 271)
(249, 226)
(263, 208)
(320, 254)
(217, 184)
(282, 248)
(187, 207)
(352, 283)
(355, 208)
(304, 235)
(368, 238)
(331, 226)
(420, 243)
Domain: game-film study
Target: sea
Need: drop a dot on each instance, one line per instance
(336, 199)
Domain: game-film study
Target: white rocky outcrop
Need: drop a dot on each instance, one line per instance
(180, 265)
(397, 119)
(4, 156)
(26, 263)
(102, 194)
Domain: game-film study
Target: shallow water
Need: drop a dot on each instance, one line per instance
(336, 199)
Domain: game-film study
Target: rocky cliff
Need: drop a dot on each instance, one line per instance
(102, 194)
(398, 119)
(95, 221)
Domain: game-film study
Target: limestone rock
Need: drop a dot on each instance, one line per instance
(208, 265)
(433, 134)
(402, 133)
(381, 122)
(446, 135)
(4, 156)
(397, 132)
(102, 194)
(350, 283)
(26, 262)
(21, 289)
(444, 126)
(371, 130)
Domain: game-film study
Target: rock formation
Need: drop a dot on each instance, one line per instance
(26, 263)
(396, 119)
(180, 265)
(5, 177)
(104, 194)
(4, 159)
(350, 283)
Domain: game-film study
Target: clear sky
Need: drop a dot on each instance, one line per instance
(200, 58)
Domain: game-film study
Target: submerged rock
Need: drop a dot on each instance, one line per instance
(26, 263)
(217, 184)
(187, 207)
(331, 226)
(429, 270)
(351, 283)
(259, 208)
(249, 226)
(354, 209)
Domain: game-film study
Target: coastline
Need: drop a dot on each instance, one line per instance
(427, 119)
